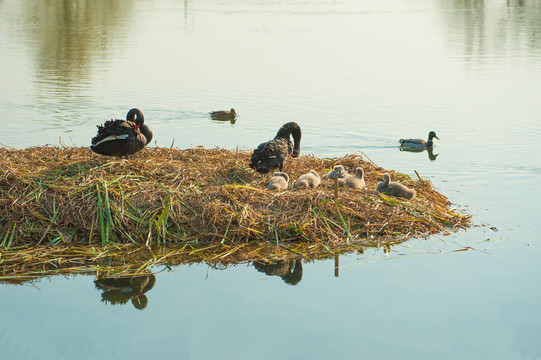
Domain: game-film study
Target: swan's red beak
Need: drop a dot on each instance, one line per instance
(294, 155)
(137, 127)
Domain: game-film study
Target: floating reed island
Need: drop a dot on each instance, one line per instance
(67, 197)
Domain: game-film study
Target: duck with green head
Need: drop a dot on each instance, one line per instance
(419, 143)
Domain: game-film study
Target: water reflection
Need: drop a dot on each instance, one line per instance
(72, 42)
(472, 22)
(289, 270)
(232, 121)
(429, 151)
(67, 34)
(120, 290)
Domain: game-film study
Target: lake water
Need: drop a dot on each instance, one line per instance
(357, 76)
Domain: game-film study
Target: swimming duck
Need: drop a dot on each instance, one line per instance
(122, 137)
(353, 181)
(278, 181)
(223, 114)
(394, 188)
(309, 180)
(271, 154)
(338, 170)
(419, 143)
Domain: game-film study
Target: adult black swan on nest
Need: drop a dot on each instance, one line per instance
(271, 154)
(122, 137)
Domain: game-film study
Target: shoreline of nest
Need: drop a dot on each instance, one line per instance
(66, 210)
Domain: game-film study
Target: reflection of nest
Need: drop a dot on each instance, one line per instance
(122, 289)
(289, 270)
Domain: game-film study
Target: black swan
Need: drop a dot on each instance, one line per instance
(271, 154)
(223, 115)
(122, 137)
(395, 188)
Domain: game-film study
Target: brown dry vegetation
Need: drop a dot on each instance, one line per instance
(68, 197)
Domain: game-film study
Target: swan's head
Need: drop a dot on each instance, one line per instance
(339, 170)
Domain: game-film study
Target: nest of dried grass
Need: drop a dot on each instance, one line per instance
(51, 195)
(70, 196)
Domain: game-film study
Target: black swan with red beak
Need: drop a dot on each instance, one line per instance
(122, 137)
(271, 154)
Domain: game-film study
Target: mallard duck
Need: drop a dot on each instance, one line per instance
(338, 170)
(122, 137)
(272, 154)
(353, 181)
(223, 114)
(394, 188)
(309, 180)
(419, 143)
(278, 181)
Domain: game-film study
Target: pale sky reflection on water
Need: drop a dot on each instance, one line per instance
(357, 76)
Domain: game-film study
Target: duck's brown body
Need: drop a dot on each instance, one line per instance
(223, 114)
(122, 137)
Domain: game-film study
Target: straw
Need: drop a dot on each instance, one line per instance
(198, 197)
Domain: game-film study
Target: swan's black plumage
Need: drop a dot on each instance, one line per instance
(271, 154)
(122, 137)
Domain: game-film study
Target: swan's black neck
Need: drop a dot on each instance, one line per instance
(136, 116)
(291, 128)
(145, 130)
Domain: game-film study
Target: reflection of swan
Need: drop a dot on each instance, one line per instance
(223, 114)
(394, 188)
(122, 138)
(278, 181)
(119, 290)
(353, 181)
(308, 180)
(271, 154)
(418, 144)
(289, 270)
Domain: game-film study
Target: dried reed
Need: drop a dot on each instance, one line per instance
(69, 197)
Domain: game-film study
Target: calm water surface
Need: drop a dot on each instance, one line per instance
(357, 76)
